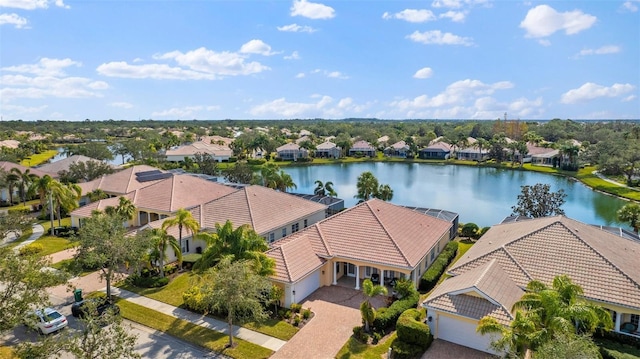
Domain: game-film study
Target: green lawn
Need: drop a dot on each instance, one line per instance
(172, 294)
(353, 349)
(39, 158)
(191, 333)
(52, 244)
(70, 266)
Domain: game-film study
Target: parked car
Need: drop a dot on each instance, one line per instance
(47, 320)
(95, 306)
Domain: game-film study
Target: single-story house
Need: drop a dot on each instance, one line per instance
(604, 264)
(291, 151)
(473, 154)
(542, 156)
(8, 166)
(123, 182)
(328, 150)
(435, 151)
(373, 237)
(398, 149)
(53, 169)
(218, 152)
(363, 148)
(217, 140)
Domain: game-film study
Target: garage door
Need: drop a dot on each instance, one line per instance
(307, 286)
(463, 333)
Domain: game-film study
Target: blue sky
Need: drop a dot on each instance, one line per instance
(209, 60)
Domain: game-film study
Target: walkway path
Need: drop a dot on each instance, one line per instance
(613, 182)
(38, 231)
(201, 320)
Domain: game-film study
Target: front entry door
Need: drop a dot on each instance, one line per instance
(351, 270)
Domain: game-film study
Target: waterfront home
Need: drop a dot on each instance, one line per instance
(219, 153)
(372, 238)
(436, 151)
(542, 156)
(291, 152)
(328, 150)
(603, 263)
(473, 154)
(363, 148)
(398, 149)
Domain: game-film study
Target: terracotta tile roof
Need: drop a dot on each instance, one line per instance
(362, 145)
(373, 231)
(262, 208)
(439, 146)
(200, 147)
(120, 182)
(326, 146)
(179, 191)
(288, 147)
(604, 264)
(7, 166)
(294, 260)
(87, 210)
(459, 294)
(399, 145)
(64, 164)
(534, 150)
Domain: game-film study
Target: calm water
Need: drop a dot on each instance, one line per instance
(116, 161)
(480, 195)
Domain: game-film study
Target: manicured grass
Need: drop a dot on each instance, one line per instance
(353, 349)
(47, 224)
(463, 246)
(39, 158)
(52, 244)
(70, 266)
(274, 328)
(587, 177)
(190, 332)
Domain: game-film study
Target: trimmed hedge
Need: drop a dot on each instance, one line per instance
(412, 330)
(430, 278)
(402, 350)
(148, 282)
(19, 210)
(386, 318)
(31, 249)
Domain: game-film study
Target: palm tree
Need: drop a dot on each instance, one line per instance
(97, 194)
(384, 192)
(161, 241)
(183, 220)
(42, 186)
(367, 310)
(328, 187)
(630, 213)
(125, 208)
(284, 182)
(25, 180)
(480, 144)
(367, 186)
(12, 179)
(65, 197)
(319, 190)
(242, 243)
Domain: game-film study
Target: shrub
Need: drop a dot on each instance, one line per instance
(412, 330)
(282, 313)
(359, 334)
(432, 275)
(256, 161)
(170, 268)
(469, 230)
(295, 307)
(306, 314)
(31, 249)
(19, 210)
(193, 299)
(376, 337)
(296, 321)
(402, 350)
(387, 317)
(148, 282)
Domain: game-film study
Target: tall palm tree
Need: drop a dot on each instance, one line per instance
(630, 213)
(97, 194)
(480, 144)
(183, 220)
(25, 180)
(125, 208)
(384, 192)
(284, 182)
(242, 243)
(367, 186)
(42, 186)
(319, 190)
(367, 310)
(64, 197)
(161, 242)
(12, 179)
(328, 187)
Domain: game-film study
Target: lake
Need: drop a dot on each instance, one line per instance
(480, 195)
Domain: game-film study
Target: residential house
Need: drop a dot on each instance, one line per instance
(13, 144)
(125, 181)
(363, 148)
(8, 166)
(53, 169)
(328, 150)
(217, 140)
(436, 151)
(292, 152)
(372, 237)
(542, 156)
(603, 263)
(473, 154)
(218, 152)
(398, 149)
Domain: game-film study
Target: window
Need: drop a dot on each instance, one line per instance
(635, 318)
(295, 227)
(433, 253)
(272, 237)
(284, 231)
(305, 223)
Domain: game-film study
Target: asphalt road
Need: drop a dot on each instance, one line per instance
(150, 344)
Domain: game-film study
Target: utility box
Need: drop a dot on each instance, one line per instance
(77, 295)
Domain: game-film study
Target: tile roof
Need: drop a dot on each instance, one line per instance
(439, 146)
(534, 150)
(374, 231)
(326, 146)
(362, 145)
(262, 208)
(294, 260)
(498, 293)
(604, 264)
(120, 182)
(200, 147)
(288, 147)
(87, 210)
(64, 164)
(7, 166)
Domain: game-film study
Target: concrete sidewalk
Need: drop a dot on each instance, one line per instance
(37, 232)
(199, 319)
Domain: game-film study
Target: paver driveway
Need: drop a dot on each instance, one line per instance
(441, 349)
(336, 312)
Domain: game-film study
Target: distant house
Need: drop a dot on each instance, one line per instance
(218, 152)
(217, 140)
(398, 149)
(436, 151)
(53, 169)
(328, 150)
(473, 154)
(291, 152)
(303, 139)
(362, 147)
(542, 156)
(7, 166)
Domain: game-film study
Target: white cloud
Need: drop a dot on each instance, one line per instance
(604, 50)
(199, 64)
(629, 98)
(294, 56)
(323, 106)
(45, 67)
(411, 15)
(183, 112)
(125, 105)
(423, 73)
(590, 91)
(13, 19)
(543, 21)
(31, 4)
(456, 4)
(630, 6)
(256, 46)
(296, 28)
(436, 37)
(326, 73)
(312, 10)
(455, 16)
(300, 75)
(336, 75)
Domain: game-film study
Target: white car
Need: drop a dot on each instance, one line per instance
(47, 320)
